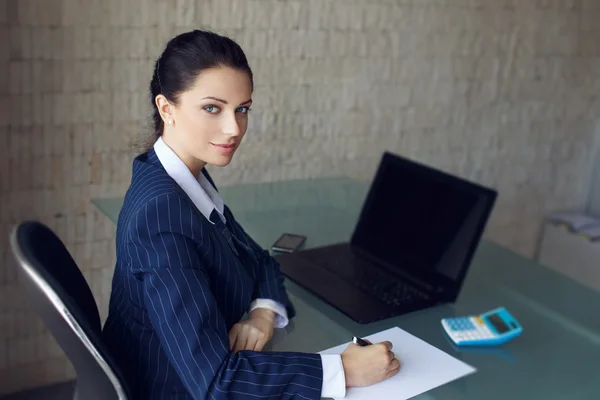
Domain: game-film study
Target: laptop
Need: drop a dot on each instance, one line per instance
(411, 247)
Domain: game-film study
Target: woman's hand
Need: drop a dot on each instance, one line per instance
(253, 333)
(364, 366)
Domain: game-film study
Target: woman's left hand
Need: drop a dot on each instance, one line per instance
(253, 333)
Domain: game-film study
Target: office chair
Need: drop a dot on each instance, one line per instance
(62, 297)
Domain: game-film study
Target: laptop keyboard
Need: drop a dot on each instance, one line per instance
(374, 281)
(388, 289)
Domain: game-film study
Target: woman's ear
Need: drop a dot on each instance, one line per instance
(164, 108)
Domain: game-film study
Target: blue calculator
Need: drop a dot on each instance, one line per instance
(492, 328)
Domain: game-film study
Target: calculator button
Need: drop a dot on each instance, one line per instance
(465, 324)
(486, 332)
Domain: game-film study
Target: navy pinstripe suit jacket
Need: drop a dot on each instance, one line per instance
(180, 284)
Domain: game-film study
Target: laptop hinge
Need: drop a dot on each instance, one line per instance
(419, 283)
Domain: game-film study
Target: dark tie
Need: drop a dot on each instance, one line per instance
(215, 218)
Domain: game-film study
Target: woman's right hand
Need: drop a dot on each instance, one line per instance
(364, 366)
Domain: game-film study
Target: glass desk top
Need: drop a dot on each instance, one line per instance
(556, 357)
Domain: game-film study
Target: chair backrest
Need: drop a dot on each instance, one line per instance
(62, 297)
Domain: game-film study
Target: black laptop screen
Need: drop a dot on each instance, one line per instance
(418, 219)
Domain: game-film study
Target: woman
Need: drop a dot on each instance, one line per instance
(187, 272)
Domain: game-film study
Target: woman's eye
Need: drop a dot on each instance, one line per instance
(243, 110)
(211, 109)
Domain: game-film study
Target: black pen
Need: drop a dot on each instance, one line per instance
(360, 342)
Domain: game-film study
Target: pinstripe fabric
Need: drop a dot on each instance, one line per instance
(180, 284)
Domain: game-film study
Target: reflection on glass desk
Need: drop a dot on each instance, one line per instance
(556, 357)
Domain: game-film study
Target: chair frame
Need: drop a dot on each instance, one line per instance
(28, 271)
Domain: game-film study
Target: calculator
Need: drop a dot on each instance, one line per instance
(492, 328)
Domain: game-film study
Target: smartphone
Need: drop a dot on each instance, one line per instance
(288, 243)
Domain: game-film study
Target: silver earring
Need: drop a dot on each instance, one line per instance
(170, 122)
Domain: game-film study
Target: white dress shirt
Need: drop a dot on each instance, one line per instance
(206, 199)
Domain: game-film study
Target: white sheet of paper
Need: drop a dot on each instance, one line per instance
(424, 367)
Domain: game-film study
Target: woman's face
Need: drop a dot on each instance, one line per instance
(210, 119)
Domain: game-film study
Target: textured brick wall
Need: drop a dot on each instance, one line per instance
(500, 91)
(593, 205)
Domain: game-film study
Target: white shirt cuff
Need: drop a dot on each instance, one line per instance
(281, 317)
(334, 379)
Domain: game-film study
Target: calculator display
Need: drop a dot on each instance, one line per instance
(498, 323)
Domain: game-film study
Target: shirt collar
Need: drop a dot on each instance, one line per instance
(199, 190)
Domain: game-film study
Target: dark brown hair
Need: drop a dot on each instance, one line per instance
(184, 57)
